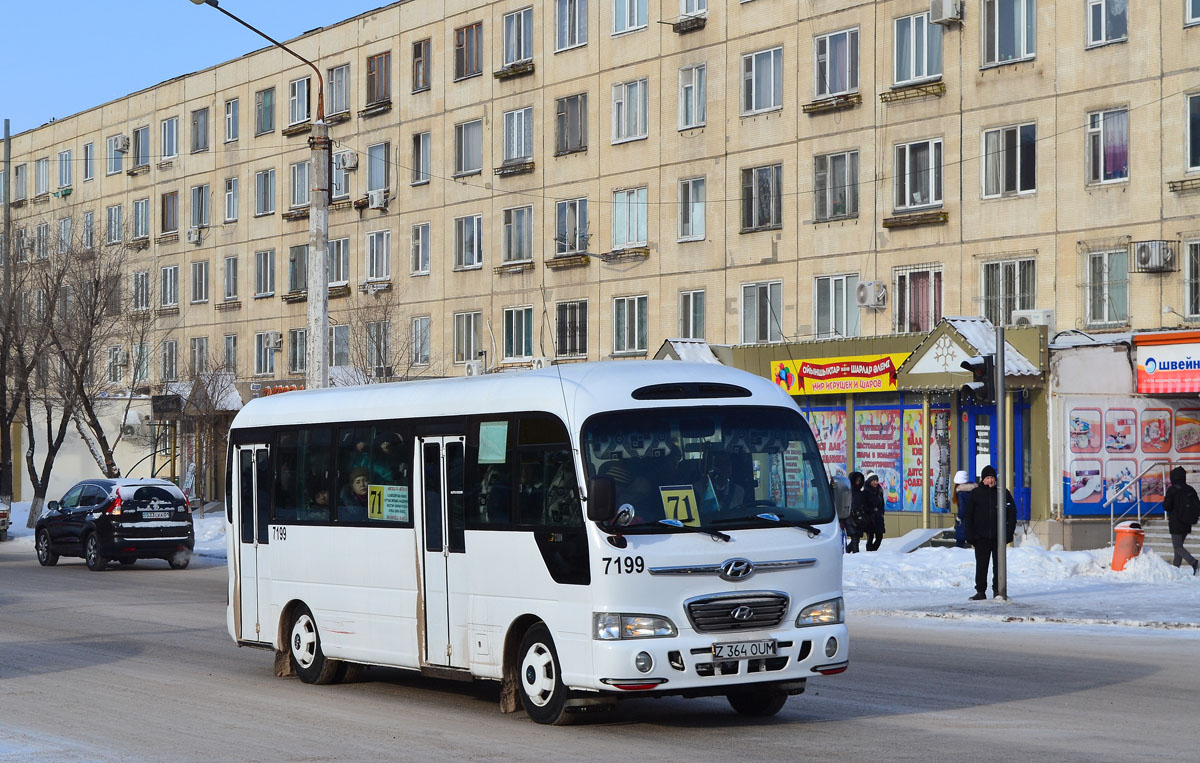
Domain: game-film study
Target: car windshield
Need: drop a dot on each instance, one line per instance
(712, 467)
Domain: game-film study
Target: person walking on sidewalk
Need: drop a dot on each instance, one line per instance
(980, 521)
(1182, 507)
(962, 494)
(873, 500)
(859, 518)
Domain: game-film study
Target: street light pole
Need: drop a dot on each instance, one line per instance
(316, 373)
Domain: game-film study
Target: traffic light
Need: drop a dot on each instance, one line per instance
(982, 389)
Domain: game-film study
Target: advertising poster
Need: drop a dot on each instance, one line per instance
(1119, 430)
(1157, 425)
(1119, 476)
(838, 376)
(1086, 482)
(1154, 482)
(829, 427)
(1085, 430)
(1187, 430)
(877, 448)
(914, 455)
(939, 475)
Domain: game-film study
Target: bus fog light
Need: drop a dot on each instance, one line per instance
(831, 647)
(822, 613)
(643, 662)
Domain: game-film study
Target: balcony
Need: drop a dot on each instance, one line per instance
(914, 219)
(836, 103)
(376, 108)
(685, 24)
(564, 261)
(522, 166)
(912, 92)
(514, 70)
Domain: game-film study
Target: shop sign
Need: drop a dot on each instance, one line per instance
(1168, 368)
(838, 376)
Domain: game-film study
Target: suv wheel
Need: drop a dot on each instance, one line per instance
(46, 557)
(180, 560)
(91, 554)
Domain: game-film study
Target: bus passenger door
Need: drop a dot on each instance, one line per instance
(250, 523)
(444, 582)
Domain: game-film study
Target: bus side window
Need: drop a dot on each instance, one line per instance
(318, 492)
(289, 485)
(353, 477)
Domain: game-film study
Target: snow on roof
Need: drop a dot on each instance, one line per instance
(982, 335)
(692, 351)
(1075, 338)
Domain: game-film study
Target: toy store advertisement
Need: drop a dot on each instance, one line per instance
(1110, 441)
(877, 448)
(829, 428)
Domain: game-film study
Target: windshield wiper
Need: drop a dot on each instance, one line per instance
(714, 534)
(813, 530)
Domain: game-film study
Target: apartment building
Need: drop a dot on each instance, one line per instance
(583, 180)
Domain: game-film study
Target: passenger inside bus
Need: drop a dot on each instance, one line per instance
(318, 503)
(388, 466)
(352, 500)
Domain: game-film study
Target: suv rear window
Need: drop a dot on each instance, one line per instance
(148, 493)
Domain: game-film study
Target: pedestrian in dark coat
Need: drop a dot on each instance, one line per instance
(873, 499)
(854, 531)
(962, 492)
(1177, 493)
(980, 521)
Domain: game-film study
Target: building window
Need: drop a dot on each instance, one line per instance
(1010, 160)
(518, 333)
(571, 329)
(1193, 11)
(64, 235)
(339, 89)
(518, 134)
(518, 36)
(264, 192)
(298, 91)
(300, 185)
(170, 212)
(835, 186)
(379, 78)
(231, 199)
(628, 15)
(517, 240)
(199, 355)
(42, 241)
(89, 161)
(88, 238)
(1193, 149)
(115, 363)
(200, 206)
(1191, 280)
(200, 130)
(836, 306)
(762, 81)
(762, 312)
(116, 161)
(420, 63)
(170, 138)
(169, 282)
(231, 277)
(918, 299)
(264, 111)
(341, 175)
(468, 241)
(231, 121)
(200, 281)
(141, 362)
(41, 177)
(919, 174)
(379, 350)
(64, 168)
(1108, 21)
(570, 227)
(338, 261)
(691, 209)
(420, 160)
(420, 340)
(264, 273)
(419, 263)
(762, 203)
(231, 353)
(1108, 146)
(837, 63)
(629, 109)
(297, 350)
(693, 8)
(691, 314)
(467, 336)
(1108, 288)
(918, 49)
(468, 147)
(1008, 285)
(629, 218)
(692, 95)
(339, 345)
(570, 124)
(113, 231)
(379, 255)
(1008, 30)
(468, 56)
(298, 268)
(379, 170)
(169, 367)
(629, 324)
(264, 353)
(141, 218)
(141, 290)
(19, 182)
(570, 29)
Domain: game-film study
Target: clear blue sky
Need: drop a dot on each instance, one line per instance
(60, 57)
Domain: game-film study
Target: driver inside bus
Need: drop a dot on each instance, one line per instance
(729, 494)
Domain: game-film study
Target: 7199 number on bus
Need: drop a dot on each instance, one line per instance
(623, 565)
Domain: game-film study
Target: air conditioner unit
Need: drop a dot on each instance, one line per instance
(474, 368)
(377, 199)
(121, 143)
(383, 372)
(273, 340)
(1153, 256)
(945, 11)
(193, 235)
(871, 294)
(541, 362)
(346, 161)
(1033, 318)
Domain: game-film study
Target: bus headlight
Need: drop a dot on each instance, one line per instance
(610, 626)
(822, 613)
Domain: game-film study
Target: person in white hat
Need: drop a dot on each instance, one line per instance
(962, 491)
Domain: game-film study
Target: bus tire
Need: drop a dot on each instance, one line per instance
(543, 694)
(757, 702)
(304, 648)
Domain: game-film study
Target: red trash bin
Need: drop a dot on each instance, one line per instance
(1128, 544)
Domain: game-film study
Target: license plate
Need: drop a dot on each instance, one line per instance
(156, 515)
(744, 650)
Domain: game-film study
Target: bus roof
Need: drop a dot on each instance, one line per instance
(572, 391)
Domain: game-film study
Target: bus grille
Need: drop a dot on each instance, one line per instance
(716, 613)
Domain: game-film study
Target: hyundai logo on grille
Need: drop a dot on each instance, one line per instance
(737, 569)
(741, 614)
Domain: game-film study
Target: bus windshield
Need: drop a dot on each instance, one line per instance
(713, 468)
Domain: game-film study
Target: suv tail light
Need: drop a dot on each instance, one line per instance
(115, 507)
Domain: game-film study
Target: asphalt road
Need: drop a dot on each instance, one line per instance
(134, 664)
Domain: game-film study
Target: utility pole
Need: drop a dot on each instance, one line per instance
(1001, 482)
(7, 327)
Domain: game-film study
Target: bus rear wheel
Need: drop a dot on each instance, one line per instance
(304, 647)
(757, 703)
(543, 693)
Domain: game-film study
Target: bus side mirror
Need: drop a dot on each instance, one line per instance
(839, 488)
(601, 503)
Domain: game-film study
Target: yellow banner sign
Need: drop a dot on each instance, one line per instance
(838, 376)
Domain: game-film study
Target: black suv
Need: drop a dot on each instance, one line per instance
(121, 519)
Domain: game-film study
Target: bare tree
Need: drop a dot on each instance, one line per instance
(15, 333)
(212, 402)
(385, 344)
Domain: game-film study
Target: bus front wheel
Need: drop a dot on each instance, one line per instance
(542, 691)
(304, 646)
(757, 703)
